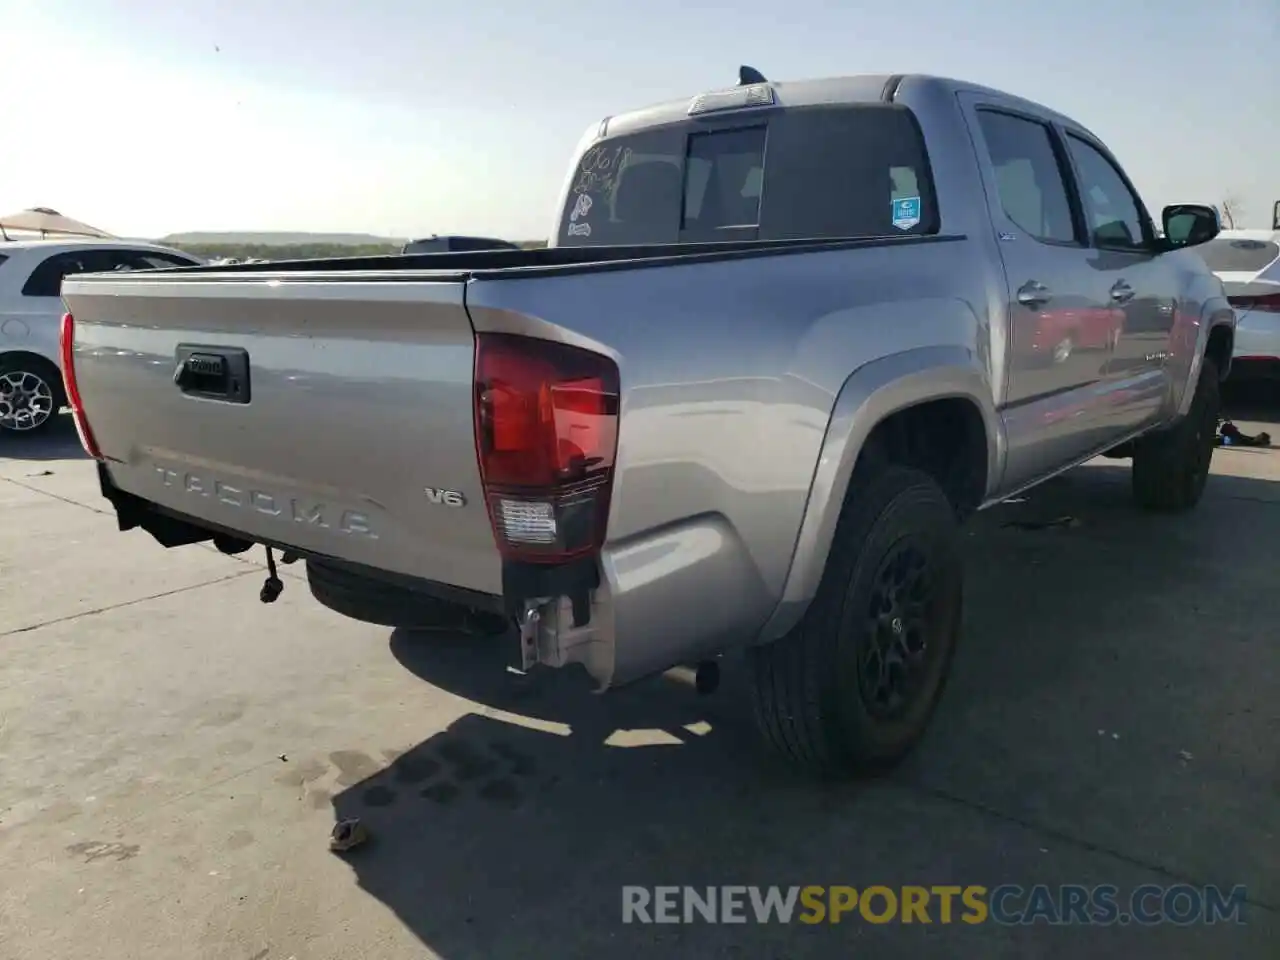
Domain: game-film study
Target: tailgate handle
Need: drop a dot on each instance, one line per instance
(213, 373)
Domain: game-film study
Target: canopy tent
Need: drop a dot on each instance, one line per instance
(44, 221)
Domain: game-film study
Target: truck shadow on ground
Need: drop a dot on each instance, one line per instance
(1252, 400)
(512, 832)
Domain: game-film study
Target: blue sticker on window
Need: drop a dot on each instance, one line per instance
(906, 212)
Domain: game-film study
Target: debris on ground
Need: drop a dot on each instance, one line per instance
(1064, 521)
(1229, 435)
(347, 834)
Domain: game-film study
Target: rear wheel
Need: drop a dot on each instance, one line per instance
(1171, 468)
(852, 688)
(30, 393)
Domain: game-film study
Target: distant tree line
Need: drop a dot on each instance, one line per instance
(300, 251)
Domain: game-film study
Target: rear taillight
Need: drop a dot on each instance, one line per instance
(66, 344)
(546, 419)
(1267, 302)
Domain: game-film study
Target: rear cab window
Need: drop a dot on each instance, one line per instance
(822, 172)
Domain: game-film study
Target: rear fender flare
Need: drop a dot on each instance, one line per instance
(1216, 313)
(872, 393)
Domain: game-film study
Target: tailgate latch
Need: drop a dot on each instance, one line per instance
(212, 373)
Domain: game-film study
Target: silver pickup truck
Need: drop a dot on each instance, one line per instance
(785, 339)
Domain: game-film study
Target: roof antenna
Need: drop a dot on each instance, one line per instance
(748, 75)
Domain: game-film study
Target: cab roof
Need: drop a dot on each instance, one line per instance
(856, 88)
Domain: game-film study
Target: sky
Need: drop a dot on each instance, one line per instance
(411, 117)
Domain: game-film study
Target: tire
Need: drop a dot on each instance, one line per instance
(1171, 468)
(388, 605)
(813, 703)
(30, 394)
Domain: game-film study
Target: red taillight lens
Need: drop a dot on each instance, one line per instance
(546, 419)
(66, 346)
(1267, 302)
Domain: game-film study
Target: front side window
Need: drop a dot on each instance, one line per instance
(1111, 210)
(1031, 182)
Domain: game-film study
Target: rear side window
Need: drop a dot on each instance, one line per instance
(46, 279)
(813, 172)
(1238, 255)
(1029, 176)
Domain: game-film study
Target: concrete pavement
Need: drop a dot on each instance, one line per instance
(173, 754)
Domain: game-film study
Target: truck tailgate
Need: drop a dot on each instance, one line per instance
(352, 435)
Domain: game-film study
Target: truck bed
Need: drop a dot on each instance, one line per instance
(497, 264)
(354, 434)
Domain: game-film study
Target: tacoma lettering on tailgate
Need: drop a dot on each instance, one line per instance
(311, 513)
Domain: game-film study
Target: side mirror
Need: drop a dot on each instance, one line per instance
(1188, 224)
(1275, 216)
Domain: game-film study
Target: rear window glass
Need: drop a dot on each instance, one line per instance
(724, 173)
(814, 172)
(1227, 255)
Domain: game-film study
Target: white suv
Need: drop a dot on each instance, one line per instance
(31, 273)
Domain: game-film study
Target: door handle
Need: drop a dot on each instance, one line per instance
(1121, 292)
(1033, 294)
